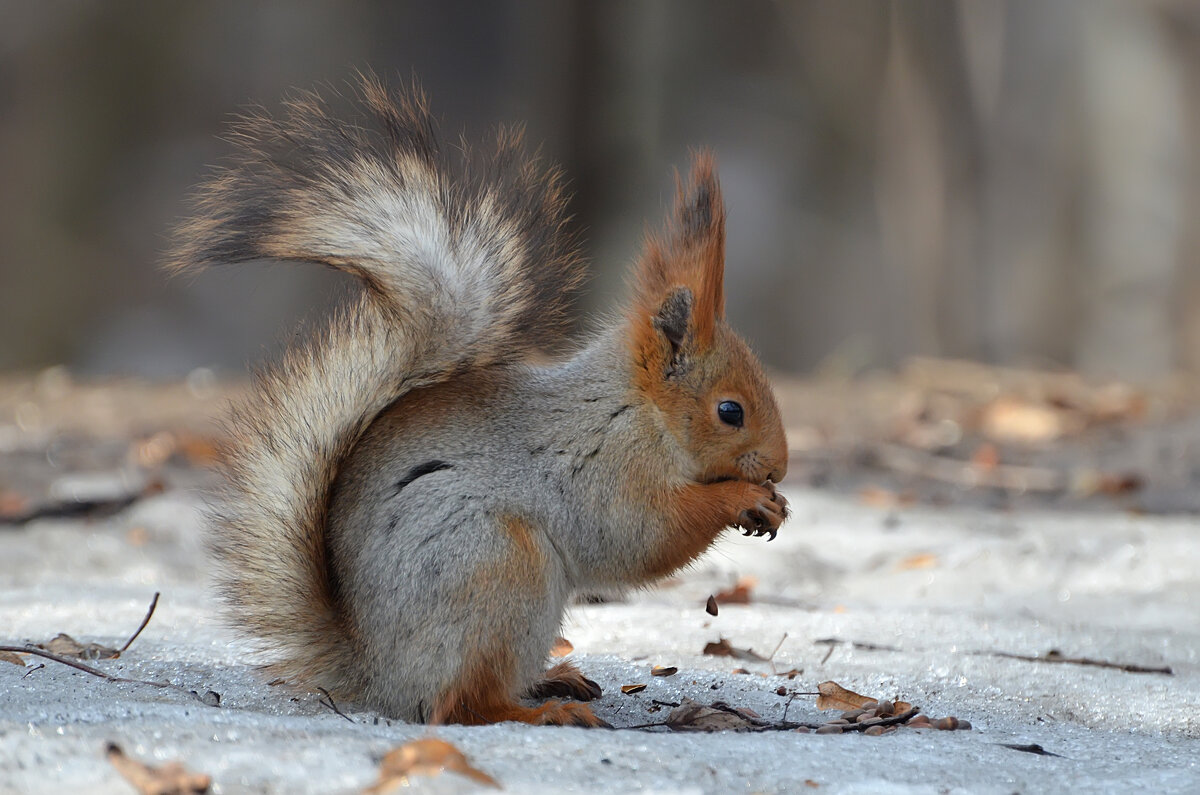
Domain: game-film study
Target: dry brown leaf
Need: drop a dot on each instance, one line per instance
(628, 689)
(922, 560)
(13, 505)
(986, 457)
(562, 647)
(1115, 485)
(739, 594)
(67, 646)
(691, 716)
(711, 606)
(154, 451)
(664, 670)
(834, 696)
(900, 707)
(170, 779)
(12, 657)
(722, 648)
(1010, 419)
(198, 449)
(879, 497)
(425, 757)
(790, 674)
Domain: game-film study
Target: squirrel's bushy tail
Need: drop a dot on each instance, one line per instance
(464, 263)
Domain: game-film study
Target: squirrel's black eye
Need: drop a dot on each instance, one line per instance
(731, 413)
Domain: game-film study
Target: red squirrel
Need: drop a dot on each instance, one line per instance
(414, 492)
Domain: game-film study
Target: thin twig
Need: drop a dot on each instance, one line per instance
(788, 705)
(145, 621)
(96, 671)
(1056, 657)
(331, 704)
(771, 656)
(37, 667)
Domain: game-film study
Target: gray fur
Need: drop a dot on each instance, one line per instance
(552, 444)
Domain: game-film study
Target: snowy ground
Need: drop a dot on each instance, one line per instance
(939, 590)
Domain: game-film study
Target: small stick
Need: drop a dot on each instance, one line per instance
(1055, 657)
(771, 656)
(788, 706)
(37, 667)
(87, 669)
(331, 704)
(145, 621)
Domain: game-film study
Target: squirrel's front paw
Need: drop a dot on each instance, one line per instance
(766, 511)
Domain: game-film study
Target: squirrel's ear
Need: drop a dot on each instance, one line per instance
(672, 320)
(700, 241)
(681, 275)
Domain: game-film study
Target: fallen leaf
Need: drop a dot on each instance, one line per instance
(628, 689)
(878, 497)
(67, 646)
(791, 674)
(900, 707)
(664, 670)
(711, 606)
(13, 505)
(1115, 485)
(739, 594)
(170, 779)
(198, 449)
(1011, 419)
(722, 648)
(562, 647)
(986, 457)
(834, 696)
(11, 657)
(425, 757)
(154, 451)
(922, 560)
(691, 716)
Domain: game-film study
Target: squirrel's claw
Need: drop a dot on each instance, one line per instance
(765, 515)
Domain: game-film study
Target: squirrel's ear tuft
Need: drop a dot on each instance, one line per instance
(689, 253)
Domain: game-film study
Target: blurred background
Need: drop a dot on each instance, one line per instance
(1008, 182)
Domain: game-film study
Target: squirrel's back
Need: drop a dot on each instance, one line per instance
(465, 262)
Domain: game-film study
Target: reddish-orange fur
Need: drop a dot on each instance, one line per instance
(697, 513)
(690, 252)
(484, 695)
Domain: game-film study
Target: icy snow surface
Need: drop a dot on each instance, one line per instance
(937, 590)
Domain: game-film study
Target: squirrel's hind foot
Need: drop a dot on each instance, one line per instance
(564, 680)
(552, 713)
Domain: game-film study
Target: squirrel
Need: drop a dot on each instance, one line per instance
(413, 493)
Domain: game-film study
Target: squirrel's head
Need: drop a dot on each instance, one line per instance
(707, 384)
